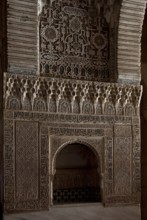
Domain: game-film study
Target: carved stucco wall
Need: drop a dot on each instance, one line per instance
(77, 40)
(108, 122)
(66, 39)
(66, 109)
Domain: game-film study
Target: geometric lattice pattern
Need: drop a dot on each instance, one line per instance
(77, 195)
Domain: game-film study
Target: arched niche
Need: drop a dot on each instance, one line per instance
(77, 176)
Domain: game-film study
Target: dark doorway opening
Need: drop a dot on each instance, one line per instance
(77, 179)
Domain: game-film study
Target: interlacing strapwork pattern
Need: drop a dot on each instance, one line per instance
(74, 39)
(65, 96)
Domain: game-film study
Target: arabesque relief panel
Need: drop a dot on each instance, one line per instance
(76, 39)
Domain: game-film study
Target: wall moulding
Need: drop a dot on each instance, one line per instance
(70, 118)
(53, 95)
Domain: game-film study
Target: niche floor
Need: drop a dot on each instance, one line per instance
(81, 212)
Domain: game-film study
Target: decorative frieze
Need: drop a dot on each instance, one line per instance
(69, 118)
(77, 132)
(65, 96)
